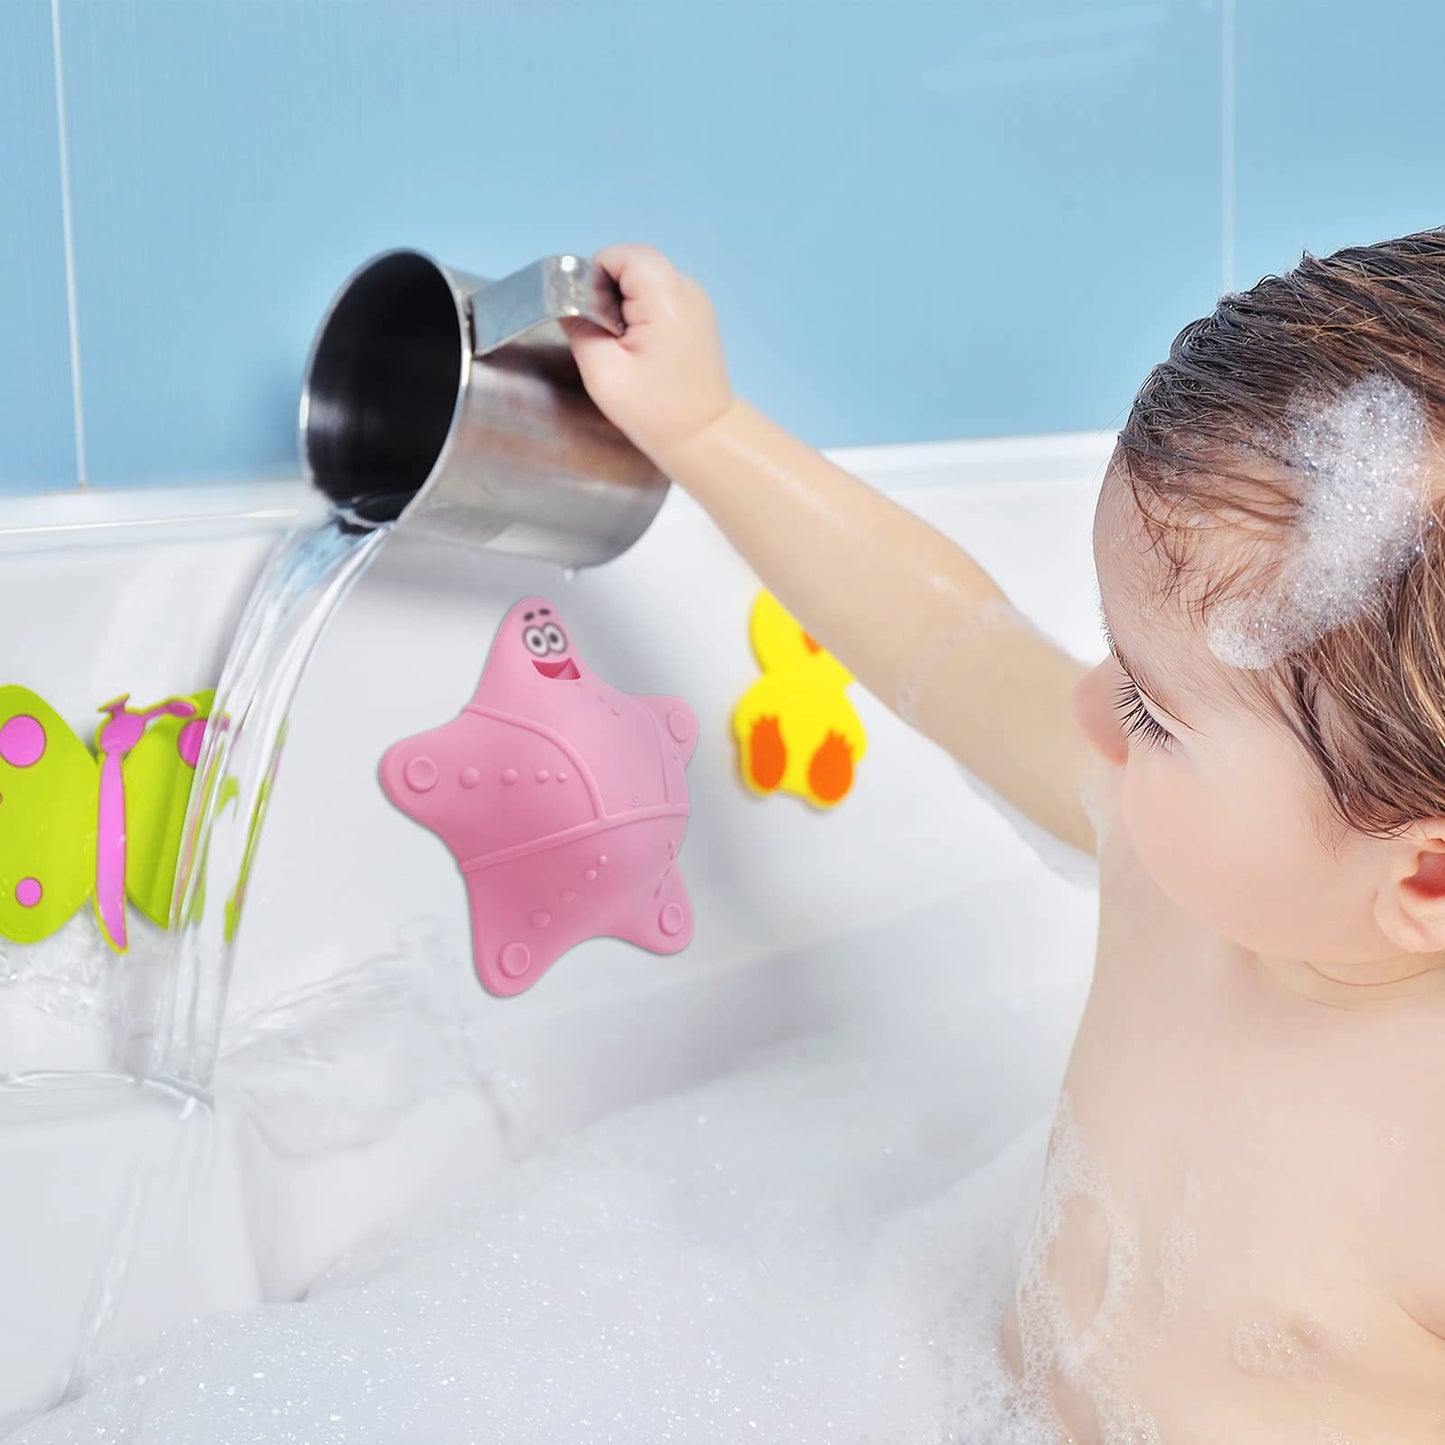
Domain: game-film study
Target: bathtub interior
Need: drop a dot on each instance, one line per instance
(904, 957)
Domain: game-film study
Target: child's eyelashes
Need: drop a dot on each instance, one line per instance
(1137, 720)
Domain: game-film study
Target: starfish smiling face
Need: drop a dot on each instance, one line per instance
(546, 642)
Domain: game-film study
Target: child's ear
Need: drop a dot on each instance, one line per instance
(1410, 907)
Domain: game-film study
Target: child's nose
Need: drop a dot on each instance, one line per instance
(1096, 714)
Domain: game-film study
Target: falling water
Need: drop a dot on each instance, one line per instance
(304, 582)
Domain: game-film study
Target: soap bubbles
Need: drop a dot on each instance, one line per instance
(1361, 457)
(800, 1251)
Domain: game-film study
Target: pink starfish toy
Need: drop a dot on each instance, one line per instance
(563, 799)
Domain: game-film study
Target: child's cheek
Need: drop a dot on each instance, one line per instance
(1198, 858)
(1215, 846)
(1157, 821)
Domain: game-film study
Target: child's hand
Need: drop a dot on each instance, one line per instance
(664, 379)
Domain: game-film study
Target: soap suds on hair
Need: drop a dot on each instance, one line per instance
(1362, 455)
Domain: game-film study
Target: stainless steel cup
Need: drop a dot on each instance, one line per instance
(452, 405)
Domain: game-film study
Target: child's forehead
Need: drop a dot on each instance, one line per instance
(1166, 653)
(1152, 615)
(1158, 653)
(1181, 562)
(1127, 560)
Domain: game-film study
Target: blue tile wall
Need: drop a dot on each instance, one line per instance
(1339, 131)
(919, 219)
(37, 425)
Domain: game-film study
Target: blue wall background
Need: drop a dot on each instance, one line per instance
(918, 219)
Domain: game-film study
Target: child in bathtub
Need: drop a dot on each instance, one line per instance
(1242, 1235)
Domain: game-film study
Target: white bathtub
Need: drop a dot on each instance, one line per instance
(364, 1075)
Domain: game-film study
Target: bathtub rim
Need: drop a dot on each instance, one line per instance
(187, 512)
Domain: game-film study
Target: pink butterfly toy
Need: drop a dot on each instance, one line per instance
(563, 800)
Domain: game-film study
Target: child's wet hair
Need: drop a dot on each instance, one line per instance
(1210, 455)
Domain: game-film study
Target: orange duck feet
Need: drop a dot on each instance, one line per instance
(830, 774)
(767, 756)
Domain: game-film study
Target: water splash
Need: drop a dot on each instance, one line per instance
(305, 581)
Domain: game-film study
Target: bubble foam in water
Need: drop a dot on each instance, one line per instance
(788, 1253)
(1362, 456)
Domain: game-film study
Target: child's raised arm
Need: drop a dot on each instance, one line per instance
(915, 619)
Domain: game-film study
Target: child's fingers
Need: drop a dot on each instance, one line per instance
(591, 345)
(579, 328)
(641, 272)
(633, 261)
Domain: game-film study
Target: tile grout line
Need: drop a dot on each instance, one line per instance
(72, 312)
(1227, 139)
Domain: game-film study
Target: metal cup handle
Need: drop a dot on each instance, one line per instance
(547, 290)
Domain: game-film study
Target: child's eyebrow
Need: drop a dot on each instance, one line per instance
(1134, 675)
